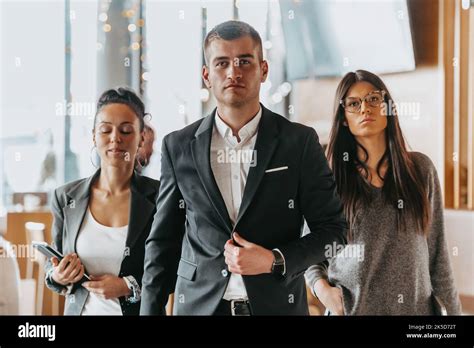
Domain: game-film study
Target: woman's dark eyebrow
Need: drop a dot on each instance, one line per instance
(375, 90)
(125, 122)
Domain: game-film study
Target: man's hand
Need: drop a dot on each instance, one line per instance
(249, 258)
(107, 286)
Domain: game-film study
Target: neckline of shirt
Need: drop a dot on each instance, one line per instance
(246, 132)
(104, 227)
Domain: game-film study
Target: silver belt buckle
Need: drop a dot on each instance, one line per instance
(232, 307)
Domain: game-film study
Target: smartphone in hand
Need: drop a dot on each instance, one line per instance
(50, 252)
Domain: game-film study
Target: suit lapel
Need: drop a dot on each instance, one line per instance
(74, 211)
(265, 145)
(201, 149)
(141, 209)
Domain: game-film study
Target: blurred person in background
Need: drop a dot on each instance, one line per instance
(146, 151)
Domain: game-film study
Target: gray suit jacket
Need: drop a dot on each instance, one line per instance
(192, 225)
(69, 205)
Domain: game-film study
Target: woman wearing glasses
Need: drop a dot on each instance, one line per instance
(396, 261)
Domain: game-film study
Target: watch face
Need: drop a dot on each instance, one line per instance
(277, 269)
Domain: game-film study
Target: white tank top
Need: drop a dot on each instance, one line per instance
(101, 249)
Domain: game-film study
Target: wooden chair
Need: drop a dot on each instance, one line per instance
(35, 232)
(53, 303)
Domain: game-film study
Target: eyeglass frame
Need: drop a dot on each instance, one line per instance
(381, 91)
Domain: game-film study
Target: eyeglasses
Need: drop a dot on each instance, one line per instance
(373, 99)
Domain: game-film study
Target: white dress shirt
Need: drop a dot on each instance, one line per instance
(230, 163)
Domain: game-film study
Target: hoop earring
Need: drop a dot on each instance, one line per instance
(96, 155)
(138, 163)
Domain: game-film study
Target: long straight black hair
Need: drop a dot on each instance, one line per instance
(403, 185)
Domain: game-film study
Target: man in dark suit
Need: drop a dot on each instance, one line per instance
(236, 187)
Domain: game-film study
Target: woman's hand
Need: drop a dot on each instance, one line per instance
(330, 296)
(107, 286)
(69, 270)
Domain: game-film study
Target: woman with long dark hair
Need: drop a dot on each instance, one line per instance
(396, 262)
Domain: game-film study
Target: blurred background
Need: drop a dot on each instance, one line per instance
(57, 57)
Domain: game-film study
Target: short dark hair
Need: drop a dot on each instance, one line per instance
(232, 30)
(125, 96)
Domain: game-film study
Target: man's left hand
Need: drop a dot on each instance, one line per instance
(248, 258)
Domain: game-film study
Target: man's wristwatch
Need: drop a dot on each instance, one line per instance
(278, 266)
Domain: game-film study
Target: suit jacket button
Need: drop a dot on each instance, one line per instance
(224, 273)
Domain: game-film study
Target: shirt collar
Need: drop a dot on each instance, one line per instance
(248, 130)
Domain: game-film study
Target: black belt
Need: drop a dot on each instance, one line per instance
(234, 308)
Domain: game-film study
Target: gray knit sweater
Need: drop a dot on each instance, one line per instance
(386, 272)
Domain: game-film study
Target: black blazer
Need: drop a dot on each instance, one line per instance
(69, 205)
(192, 225)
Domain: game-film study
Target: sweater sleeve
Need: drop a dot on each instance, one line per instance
(314, 273)
(441, 274)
